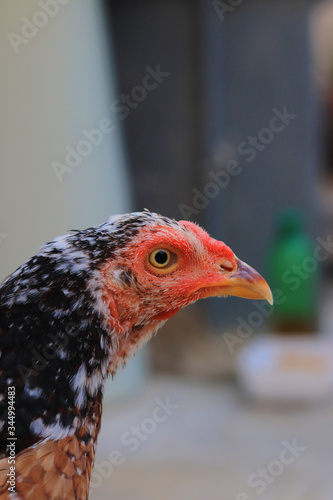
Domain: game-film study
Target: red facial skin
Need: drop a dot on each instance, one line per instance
(204, 267)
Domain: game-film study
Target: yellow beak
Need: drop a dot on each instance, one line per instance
(244, 282)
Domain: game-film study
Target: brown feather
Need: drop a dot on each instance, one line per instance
(52, 470)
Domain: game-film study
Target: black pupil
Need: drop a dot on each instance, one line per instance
(161, 257)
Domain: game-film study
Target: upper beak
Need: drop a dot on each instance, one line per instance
(244, 282)
(248, 283)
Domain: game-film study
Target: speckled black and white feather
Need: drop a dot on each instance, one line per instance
(55, 347)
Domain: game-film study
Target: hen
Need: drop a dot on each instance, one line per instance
(73, 314)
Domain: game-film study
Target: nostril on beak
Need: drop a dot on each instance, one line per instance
(226, 265)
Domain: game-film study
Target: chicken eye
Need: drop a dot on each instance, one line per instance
(162, 261)
(160, 258)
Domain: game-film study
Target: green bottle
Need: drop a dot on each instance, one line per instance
(294, 274)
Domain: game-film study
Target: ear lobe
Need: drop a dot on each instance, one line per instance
(113, 316)
(111, 305)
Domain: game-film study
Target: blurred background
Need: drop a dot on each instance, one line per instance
(220, 112)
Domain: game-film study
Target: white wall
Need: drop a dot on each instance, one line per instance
(56, 85)
(53, 87)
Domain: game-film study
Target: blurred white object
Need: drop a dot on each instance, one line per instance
(287, 370)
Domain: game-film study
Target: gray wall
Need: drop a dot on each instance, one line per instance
(266, 65)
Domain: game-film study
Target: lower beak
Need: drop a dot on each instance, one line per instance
(244, 282)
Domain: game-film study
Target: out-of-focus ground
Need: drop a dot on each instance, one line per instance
(214, 444)
(209, 447)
